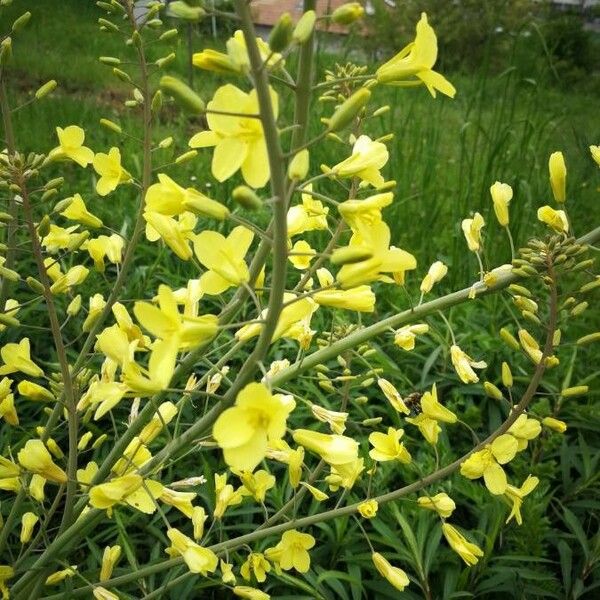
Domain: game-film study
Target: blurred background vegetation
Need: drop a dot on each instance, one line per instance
(528, 84)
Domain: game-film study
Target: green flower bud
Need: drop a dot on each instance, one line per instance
(203, 205)
(372, 422)
(304, 27)
(9, 321)
(111, 125)
(168, 141)
(492, 391)
(107, 25)
(182, 94)
(507, 377)
(347, 13)
(186, 156)
(121, 75)
(589, 339)
(5, 217)
(349, 110)
(182, 10)
(21, 22)
(579, 308)
(592, 285)
(298, 167)
(578, 390)
(9, 274)
(168, 35)
(43, 228)
(520, 290)
(46, 89)
(157, 102)
(5, 51)
(246, 197)
(281, 34)
(54, 183)
(109, 60)
(509, 339)
(74, 306)
(165, 60)
(48, 194)
(584, 264)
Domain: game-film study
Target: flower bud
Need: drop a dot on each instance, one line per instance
(157, 102)
(28, 521)
(182, 94)
(304, 27)
(507, 377)
(9, 321)
(48, 194)
(74, 306)
(45, 89)
(186, 156)
(579, 308)
(347, 13)
(509, 339)
(109, 60)
(349, 255)
(165, 60)
(578, 390)
(21, 22)
(554, 424)
(9, 274)
(111, 125)
(119, 73)
(203, 205)
(185, 12)
(349, 110)
(298, 167)
(281, 34)
(107, 25)
(43, 228)
(5, 51)
(492, 391)
(246, 197)
(168, 35)
(589, 339)
(558, 176)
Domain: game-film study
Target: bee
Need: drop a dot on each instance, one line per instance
(413, 403)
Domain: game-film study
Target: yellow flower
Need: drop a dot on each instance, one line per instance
(130, 489)
(558, 176)
(250, 593)
(432, 412)
(554, 424)
(175, 233)
(198, 559)
(384, 258)
(110, 558)
(9, 475)
(198, 517)
(11, 306)
(309, 216)
(333, 449)
(468, 551)
(59, 576)
(35, 457)
(387, 446)
(472, 230)
(365, 162)
(108, 166)
(257, 484)
(345, 475)
(101, 593)
(161, 365)
(70, 145)
(103, 246)
(417, 60)
(28, 521)
(501, 196)
(17, 357)
(437, 271)
(595, 151)
(59, 238)
(182, 501)
(405, 336)
(301, 255)
(317, 494)
(441, 503)
(225, 495)
(33, 391)
(336, 420)
(392, 395)
(74, 276)
(395, 576)
(368, 508)
(292, 551)
(256, 564)
(464, 365)
(281, 451)
(525, 429)
(360, 298)
(161, 418)
(364, 211)
(8, 411)
(167, 323)
(77, 211)
(238, 140)
(96, 305)
(36, 487)
(6, 573)
(555, 219)
(224, 259)
(515, 496)
(487, 463)
(244, 430)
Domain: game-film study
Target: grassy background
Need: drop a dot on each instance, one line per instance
(445, 155)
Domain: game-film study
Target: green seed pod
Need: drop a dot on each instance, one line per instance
(349, 255)
(46, 89)
(182, 94)
(21, 22)
(492, 391)
(578, 390)
(246, 197)
(347, 13)
(43, 228)
(589, 339)
(349, 110)
(281, 34)
(304, 27)
(509, 339)
(111, 125)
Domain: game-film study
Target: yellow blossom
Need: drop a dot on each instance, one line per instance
(360, 298)
(175, 233)
(437, 271)
(244, 430)
(60, 238)
(432, 412)
(417, 60)
(6, 573)
(28, 521)
(367, 159)
(309, 216)
(256, 564)
(395, 576)
(17, 358)
(96, 305)
(555, 219)
(108, 166)
(333, 449)
(249, 593)
(281, 451)
(110, 247)
(9, 475)
(8, 410)
(405, 336)
(35, 457)
(525, 429)
(387, 446)
(224, 259)
(368, 508)
(110, 557)
(238, 140)
(225, 495)
(198, 559)
(257, 484)
(502, 194)
(74, 276)
(70, 145)
(316, 493)
(595, 151)
(558, 176)
(392, 395)
(77, 211)
(472, 230)
(468, 551)
(61, 575)
(36, 487)
(515, 496)
(130, 489)
(336, 420)
(182, 501)
(292, 551)
(345, 475)
(487, 463)
(101, 593)
(33, 391)
(161, 418)
(441, 503)
(366, 211)
(554, 424)
(161, 365)
(198, 517)
(464, 365)
(301, 255)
